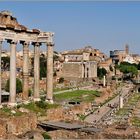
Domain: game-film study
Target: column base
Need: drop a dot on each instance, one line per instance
(50, 101)
(12, 104)
(26, 102)
(1, 106)
(36, 99)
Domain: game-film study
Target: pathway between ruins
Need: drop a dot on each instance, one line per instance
(97, 116)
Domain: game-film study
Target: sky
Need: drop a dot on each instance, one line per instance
(103, 25)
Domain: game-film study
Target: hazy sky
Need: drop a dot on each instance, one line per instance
(103, 25)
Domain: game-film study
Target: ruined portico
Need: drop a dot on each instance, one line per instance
(14, 33)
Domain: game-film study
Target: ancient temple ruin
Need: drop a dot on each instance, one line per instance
(13, 33)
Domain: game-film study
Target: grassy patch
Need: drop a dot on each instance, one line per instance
(46, 136)
(122, 112)
(33, 107)
(60, 89)
(81, 116)
(135, 121)
(134, 99)
(82, 95)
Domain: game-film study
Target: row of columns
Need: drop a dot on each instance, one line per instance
(12, 98)
(86, 71)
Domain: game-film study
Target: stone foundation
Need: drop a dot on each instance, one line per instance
(17, 125)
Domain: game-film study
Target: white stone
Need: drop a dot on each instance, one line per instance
(1, 106)
(49, 101)
(13, 111)
(12, 104)
(36, 99)
(26, 102)
(23, 110)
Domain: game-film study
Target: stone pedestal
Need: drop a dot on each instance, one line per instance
(49, 97)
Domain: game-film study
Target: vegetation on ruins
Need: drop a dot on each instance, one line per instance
(61, 80)
(43, 65)
(18, 85)
(46, 136)
(127, 109)
(135, 121)
(38, 107)
(6, 111)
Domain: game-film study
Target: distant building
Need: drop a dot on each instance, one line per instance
(118, 55)
(129, 59)
(79, 70)
(81, 63)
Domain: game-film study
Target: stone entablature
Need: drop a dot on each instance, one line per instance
(85, 54)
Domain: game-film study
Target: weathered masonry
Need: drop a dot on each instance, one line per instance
(13, 33)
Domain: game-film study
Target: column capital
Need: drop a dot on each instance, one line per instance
(12, 41)
(36, 44)
(25, 42)
(50, 44)
(1, 40)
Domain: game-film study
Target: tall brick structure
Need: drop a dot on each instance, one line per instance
(80, 64)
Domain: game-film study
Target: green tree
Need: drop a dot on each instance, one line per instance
(126, 68)
(101, 72)
(18, 85)
(61, 80)
(138, 66)
(43, 64)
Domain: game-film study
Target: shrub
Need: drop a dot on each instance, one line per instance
(30, 92)
(61, 80)
(101, 72)
(46, 136)
(41, 104)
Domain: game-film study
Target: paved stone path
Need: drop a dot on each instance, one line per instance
(103, 110)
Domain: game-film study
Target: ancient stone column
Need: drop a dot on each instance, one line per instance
(49, 97)
(25, 70)
(0, 69)
(121, 101)
(12, 98)
(36, 71)
(86, 70)
(104, 81)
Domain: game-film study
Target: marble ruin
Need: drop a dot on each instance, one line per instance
(13, 33)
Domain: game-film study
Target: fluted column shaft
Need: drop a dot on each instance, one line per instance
(12, 99)
(25, 70)
(0, 69)
(49, 96)
(36, 71)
